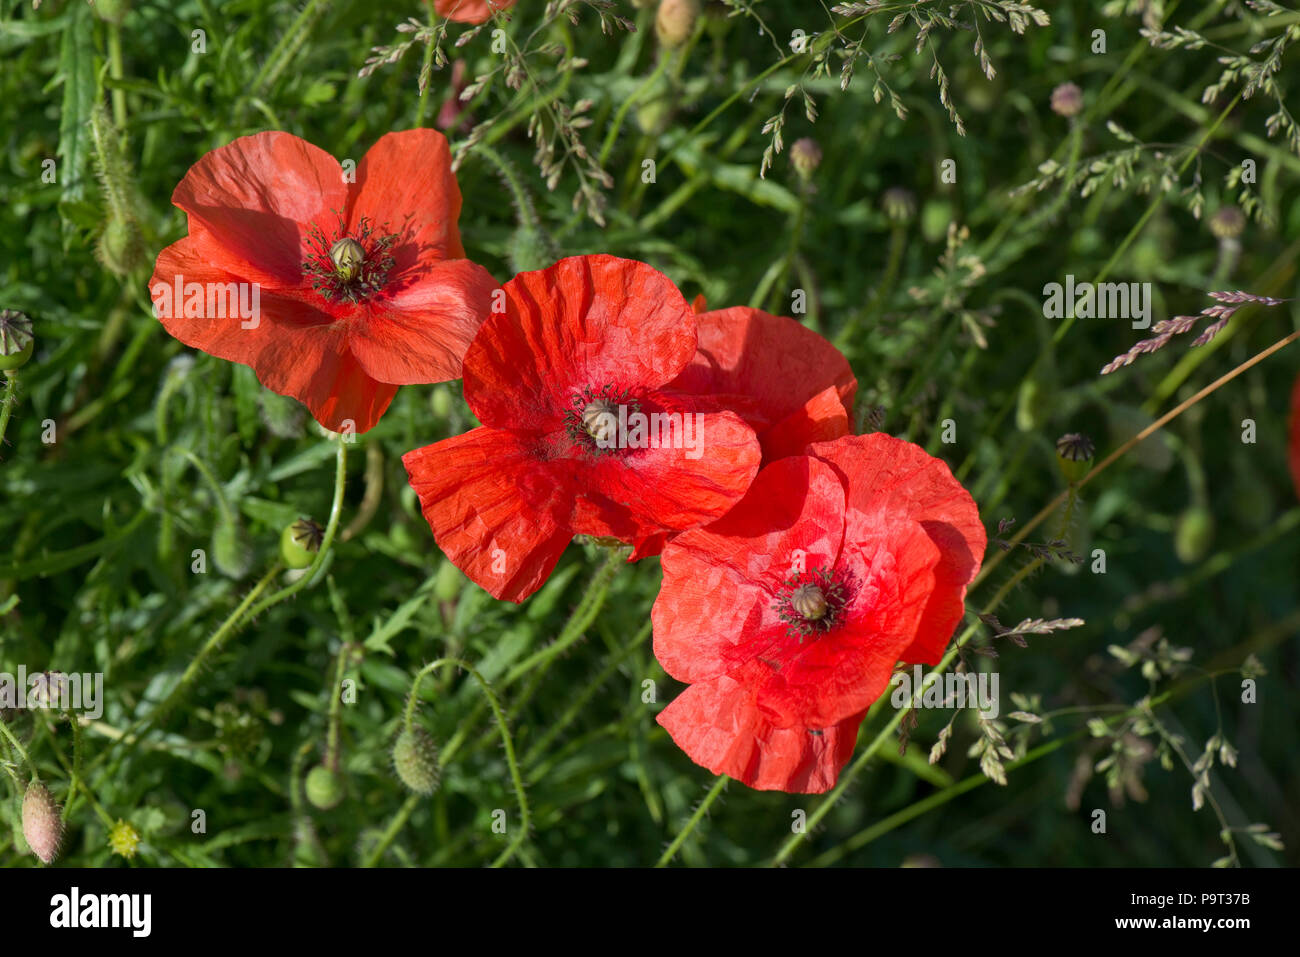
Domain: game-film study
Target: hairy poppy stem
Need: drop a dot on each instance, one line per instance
(412, 701)
(593, 599)
(718, 787)
(247, 610)
(8, 401)
(1109, 460)
(18, 746)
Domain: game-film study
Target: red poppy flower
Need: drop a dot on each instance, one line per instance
(357, 283)
(580, 434)
(470, 11)
(1294, 449)
(788, 615)
(785, 380)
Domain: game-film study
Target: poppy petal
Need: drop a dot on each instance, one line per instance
(887, 474)
(405, 184)
(682, 484)
(419, 333)
(719, 727)
(777, 363)
(474, 491)
(823, 418)
(253, 197)
(470, 11)
(714, 610)
(824, 679)
(585, 322)
(293, 348)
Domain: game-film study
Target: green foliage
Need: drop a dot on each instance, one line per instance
(128, 461)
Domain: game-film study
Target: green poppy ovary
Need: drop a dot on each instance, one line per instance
(348, 256)
(598, 420)
(810, 602)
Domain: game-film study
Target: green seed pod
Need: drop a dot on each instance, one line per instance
(230, 549)
(112, 11)
(936, 214)
(1193, 534)
(1074, 453)
(42, 823)
(300, 542)
(1033, 403)
(16, 340)
(653, 115)
(415, 759)
(348, 256)
(440, 402)
(324, 788)
(450, 581)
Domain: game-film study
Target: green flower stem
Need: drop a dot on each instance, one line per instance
(394, 828)
(538, 749)
(18, 746)
(718, 787)
(172, 382)
(116, 71)
(422, 107)
(214, 644)
(331, 529)
(408, 717)
(336, 709)
(1109, 460)
(75, 781)
(880, 298)
(617, 124)
(218, 493)
(581, 618)
(288, 47)
(8, 401)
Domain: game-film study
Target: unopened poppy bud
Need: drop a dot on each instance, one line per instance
(324, 788)
(531, 248)
(113, 11)
(1075, 452)
(42, 825)
(1228, 223)
(1067, 100)
(805, 157)
(675, 21)
(1193, 534)
(300, 542)
(899, 204)
(120, 247)
(440, 402)
(415, 759)
(16, 340)
(449, 582)
(348, 256)
(810, 602)
(1033, 401)
(123, 839)
(654, 115)
(230, 550)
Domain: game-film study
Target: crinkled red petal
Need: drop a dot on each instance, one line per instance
(495, 511)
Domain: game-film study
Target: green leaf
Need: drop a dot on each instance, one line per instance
(77, 67)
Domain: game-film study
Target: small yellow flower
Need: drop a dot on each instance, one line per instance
(123, 839)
